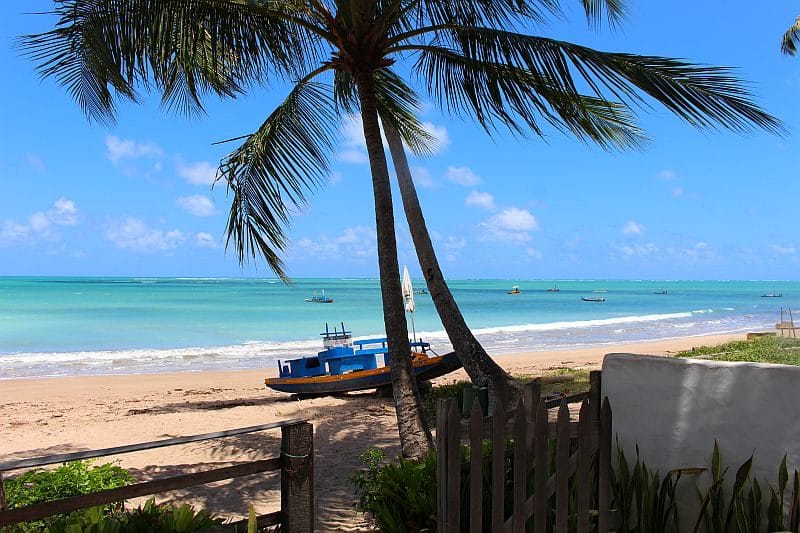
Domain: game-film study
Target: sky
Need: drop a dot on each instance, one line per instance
(135, 198)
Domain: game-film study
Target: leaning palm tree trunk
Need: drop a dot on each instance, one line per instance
(415, 437)
(482, 369)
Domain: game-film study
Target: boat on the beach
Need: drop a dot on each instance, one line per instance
(346, 365)
(593, 299)
(317, 299)
(514, 290)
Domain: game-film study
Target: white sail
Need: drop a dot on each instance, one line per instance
(408, 292)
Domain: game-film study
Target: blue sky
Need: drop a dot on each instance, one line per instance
(135, 199)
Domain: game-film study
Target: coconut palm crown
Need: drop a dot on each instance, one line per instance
(474, 58)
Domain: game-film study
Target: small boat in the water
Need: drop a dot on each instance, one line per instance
(514, 290)
(420, 291)
(342, 368)
(593, 299)
(661, 291)
(772, 295)
(316, 299)
(554, 288)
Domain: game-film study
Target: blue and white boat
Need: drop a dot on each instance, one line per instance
(346, 365)
(316, 299)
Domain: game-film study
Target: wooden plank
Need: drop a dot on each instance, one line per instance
(297, 478)
(66, 457)
(476, 470)
(453, 470)
(520, 468)
(540, 474)
(533, 392)
(442, 408)
(2, 493)
(604, 469)
(585, 453)
(595, 393)
(498, 469)
(73, 503)
(562, 469)
(509, 428)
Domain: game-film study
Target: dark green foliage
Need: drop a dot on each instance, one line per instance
(400, 497)
(70, 479)
(770, 349)
(149, 518)
(646, 503)
(453, 390)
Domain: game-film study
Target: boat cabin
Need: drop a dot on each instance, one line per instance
(340, 356)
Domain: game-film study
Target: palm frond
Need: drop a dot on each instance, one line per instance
(494, 13)
(706, 97)
(614, 11)
(518, 99)
(272, 172)
(185, 48)
(791, 39)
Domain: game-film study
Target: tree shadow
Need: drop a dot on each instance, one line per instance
(341, 434)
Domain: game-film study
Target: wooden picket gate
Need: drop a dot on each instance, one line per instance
(537, 471)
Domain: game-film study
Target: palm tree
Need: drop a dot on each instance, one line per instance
(791, 39)
(468, 54)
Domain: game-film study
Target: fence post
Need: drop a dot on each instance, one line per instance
(442, 462)
(595, 393)
(297, 478)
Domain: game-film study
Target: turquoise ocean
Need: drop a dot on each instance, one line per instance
(84, 326)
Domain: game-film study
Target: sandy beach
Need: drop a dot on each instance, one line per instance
(60, 415)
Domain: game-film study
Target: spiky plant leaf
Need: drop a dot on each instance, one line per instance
(791, 39)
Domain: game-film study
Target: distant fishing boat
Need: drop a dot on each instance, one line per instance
(420, 291)
(661, 291)
(316, 299)
(554, 288)
(514, 290)
(772, 295)
(593, 299)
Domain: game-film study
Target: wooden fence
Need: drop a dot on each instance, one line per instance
(557, 472)
(295, 462)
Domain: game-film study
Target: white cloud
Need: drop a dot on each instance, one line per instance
(206, 240)
(353, 155)
(633, 228)
(463, 176)
(535, 253)
(667, 175)
(639, 250)
(64, 212)
(118, 149)
(511, 224)
(133, 234)
(422, 178)
(197, 205)
(483, 200)
(40, 224)
(440, 136)
(453, 246)
(784, 249)
(35, 162)
(356, 241)
(200, 173)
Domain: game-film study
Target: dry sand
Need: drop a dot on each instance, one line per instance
(60, 415)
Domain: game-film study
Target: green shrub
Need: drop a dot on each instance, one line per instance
(149, 518)
(400, 497)
(69, 479)
(770, 349)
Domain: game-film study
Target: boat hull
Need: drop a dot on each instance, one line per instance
(424, 369)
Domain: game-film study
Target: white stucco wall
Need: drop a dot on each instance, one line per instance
(675, 409)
